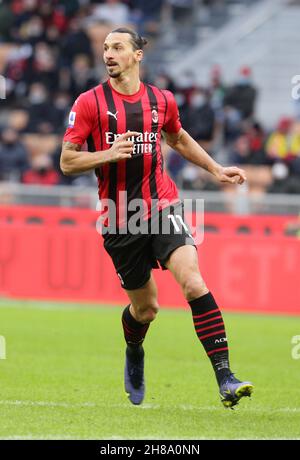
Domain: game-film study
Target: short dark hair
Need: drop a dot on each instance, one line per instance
(137, 41)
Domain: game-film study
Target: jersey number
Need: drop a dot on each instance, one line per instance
(179, 218)
(176, 226)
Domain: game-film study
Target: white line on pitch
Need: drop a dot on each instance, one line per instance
(46, 403)
(146, 406)
(37, 436)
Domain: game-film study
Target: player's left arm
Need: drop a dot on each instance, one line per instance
(193, 152)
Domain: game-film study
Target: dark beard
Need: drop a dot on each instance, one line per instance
(114, 75)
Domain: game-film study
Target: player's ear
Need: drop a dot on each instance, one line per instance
(139, 55)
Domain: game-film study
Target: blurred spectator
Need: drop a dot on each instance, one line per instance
(61, 106)
(71, 7)
(146, 16)
(32, 31)
(163, 81)
(13, 156)
(175, 165)
(295, 140)
(82, 76)
(282, 181)
(6, 20)
(232, 124)
(45, 66)
(182, 10)
(187, 84)
(190, 177)
(256, 136)
(242, 95)
(283, 148)
(248, 149)
(24, 10)
(42, 172)
(54, 53)
(194, 178)
(295, 167)
(112, 11)
(241, 152)
(284, 143)
(15, 71)
(216, 88)
(54, 15)
(28, 64)
(75, 42)
(200, 119)
(183, 107)
(42, 112)
(52, 36)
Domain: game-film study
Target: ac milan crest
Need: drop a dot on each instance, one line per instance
(154, 116)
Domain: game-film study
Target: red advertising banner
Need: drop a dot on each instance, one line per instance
(250, 263)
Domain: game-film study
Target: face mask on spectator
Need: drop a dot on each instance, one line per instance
(180, 99)
(280, 171)
(61, 102)
(198, 101)
(37, 97)
(243, 80)
(36, 27)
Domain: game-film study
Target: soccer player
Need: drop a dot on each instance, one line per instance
(122, 121)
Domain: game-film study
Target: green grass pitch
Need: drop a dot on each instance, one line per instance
(63, 377)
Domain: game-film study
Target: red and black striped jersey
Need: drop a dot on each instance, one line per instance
(99, 115)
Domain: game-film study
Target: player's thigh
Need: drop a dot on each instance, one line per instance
(145, 296)
(131, 256)
(183, 264)
(172, 232)
(182, 261)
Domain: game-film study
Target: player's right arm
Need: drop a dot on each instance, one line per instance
(81, 122)
(75, 161)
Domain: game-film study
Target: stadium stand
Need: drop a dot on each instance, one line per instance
(51, 51)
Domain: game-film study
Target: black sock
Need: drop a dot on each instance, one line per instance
(210, 329)
(135, 352)
(134, 332)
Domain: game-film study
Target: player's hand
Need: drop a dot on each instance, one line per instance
(122, 148)
(231, 175)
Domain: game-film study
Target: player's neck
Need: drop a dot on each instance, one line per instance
(126, 85)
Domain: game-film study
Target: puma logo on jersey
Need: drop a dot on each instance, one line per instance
(113, 114)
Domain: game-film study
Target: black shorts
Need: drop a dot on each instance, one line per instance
(134, 255)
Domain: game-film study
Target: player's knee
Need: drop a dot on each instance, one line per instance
(193, 287)
(148, 314)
